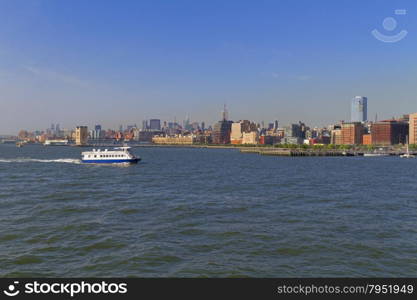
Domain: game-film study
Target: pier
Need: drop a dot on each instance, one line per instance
(316, 152)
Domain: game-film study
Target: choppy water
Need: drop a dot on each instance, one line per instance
(206, 212)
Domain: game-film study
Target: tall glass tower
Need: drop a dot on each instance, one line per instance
(359, 109)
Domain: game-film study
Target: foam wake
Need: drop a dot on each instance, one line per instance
(26, 160)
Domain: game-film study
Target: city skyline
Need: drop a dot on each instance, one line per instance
(222, 113)
(121, 64)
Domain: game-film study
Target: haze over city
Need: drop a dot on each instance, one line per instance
(87, 62)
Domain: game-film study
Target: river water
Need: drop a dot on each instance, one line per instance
(185, 212)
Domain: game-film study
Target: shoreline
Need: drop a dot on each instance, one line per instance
(261, 150)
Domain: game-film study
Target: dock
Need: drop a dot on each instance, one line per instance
(315, 152)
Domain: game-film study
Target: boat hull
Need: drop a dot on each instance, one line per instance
(111, 161)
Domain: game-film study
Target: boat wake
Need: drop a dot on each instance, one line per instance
(26, 160)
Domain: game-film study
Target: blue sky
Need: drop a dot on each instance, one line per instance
(119, 62)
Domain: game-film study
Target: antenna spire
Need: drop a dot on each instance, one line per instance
(225, 113)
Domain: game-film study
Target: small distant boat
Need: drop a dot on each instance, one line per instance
(19, 144)
(55, 142)
(375, 154)
(115, 156)
(407, 154)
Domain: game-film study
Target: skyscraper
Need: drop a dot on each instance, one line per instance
(96, 133)
(221, 132)
(144, 124)
(81, 135)
(155, 124)
(276, 125)
(359, 109)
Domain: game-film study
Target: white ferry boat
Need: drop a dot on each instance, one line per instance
(117, 155)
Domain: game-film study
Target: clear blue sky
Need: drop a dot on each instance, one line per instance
(119, 62)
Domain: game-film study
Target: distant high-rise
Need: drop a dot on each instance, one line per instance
(221, 132)
(81, 135)
(225, 114)
(96, 133)
(413, 129)
(359, 109)
(155, 124)
(144, 124)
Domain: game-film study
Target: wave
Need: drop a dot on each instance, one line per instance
(26, 160)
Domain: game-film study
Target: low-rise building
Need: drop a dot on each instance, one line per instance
(367, 139)
(352, 133)
(251, 138)
(389, 132)
(336, 136)
(173, 140)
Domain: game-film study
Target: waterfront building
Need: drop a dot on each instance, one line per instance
(352, 133)
(147, 135)
(236, 133)
(239, 128)
(294, 134)
(269, 139)
(221, 132)
(250, 138)
(292, 140)
(412, 128)
(174, 140)
(359, 109)
(81, 135)
(367, 139)
(222, 129)
(389, 132)
(204, 138)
